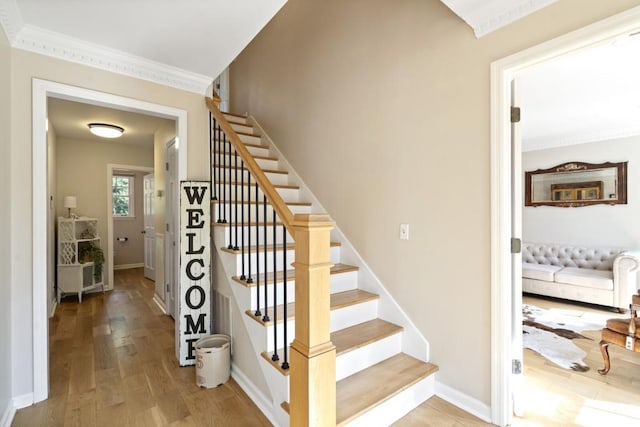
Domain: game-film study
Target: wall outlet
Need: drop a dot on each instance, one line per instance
(404, 231)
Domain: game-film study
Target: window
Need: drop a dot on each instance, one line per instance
(122, 187)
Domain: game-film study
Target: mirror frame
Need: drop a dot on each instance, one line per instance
(621, 187)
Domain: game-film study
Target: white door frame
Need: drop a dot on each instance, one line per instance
(41, 90)
(502, 72)
(110, 168)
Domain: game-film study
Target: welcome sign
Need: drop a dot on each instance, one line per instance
(194, 314)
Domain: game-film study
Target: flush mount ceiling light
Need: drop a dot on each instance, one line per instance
(105, 130)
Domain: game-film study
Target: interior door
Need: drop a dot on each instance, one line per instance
(517, 202)
(171, 270)
(149, 227)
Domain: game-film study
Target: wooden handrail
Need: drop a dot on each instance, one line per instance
(274, 198)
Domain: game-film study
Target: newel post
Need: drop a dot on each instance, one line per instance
(313, 355)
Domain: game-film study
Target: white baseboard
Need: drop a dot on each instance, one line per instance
(160, 303)
(463, 401)
(8, 414)
(254, 394)
(54, 304)
(13, 405)
(128, 266)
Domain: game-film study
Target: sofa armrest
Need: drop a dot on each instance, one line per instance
(625, 267)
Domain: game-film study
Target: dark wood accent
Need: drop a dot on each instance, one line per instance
(569, 167)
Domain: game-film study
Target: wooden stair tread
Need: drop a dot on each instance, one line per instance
(233, 122)
(349, 339)
(372, 386)
(336, 269)
(357, 336)
(338, 300)
(279, 247)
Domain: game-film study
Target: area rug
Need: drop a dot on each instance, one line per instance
(551, 332)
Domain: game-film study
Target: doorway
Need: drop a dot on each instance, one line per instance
(42, 90)
(504, 291)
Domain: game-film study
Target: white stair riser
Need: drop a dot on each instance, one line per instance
(367, 356)
(257, 258)
(398, 406)
(250, 139)
(344, 281)
(265, 164)
(353, 315)
(242, 127)
(225, 155)
(236, 119)
(222, 238)
(228, 211)
(268, 164)
(229, 175)
(291, 334)
(287, 194)
(291, 294)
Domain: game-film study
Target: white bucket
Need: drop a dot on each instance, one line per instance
(213, 360)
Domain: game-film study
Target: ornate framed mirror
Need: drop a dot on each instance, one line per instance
(575, 184)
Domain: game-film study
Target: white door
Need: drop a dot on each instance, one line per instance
(172, 259)
(517, 202)
(149, 228)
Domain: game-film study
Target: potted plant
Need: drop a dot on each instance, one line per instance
(92, 253)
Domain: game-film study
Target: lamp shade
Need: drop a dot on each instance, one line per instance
(70, 202)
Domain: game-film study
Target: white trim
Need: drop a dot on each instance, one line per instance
(111, 167)
(502, 72)
(159, 303)
(8, 414)
(18, 402)
(60, 46)
(128, 266)
(10, 18)
(42, 89)
(254, 393)
(514, 13)
(54, 305)
(463, 401)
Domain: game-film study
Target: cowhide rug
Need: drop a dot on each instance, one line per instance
(551, 333)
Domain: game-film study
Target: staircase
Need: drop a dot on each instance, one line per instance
(377, 382)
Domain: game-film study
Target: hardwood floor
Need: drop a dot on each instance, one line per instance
(112, 363)
(554, 396)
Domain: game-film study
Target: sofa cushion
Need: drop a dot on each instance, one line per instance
(597, 279)
(539, 271)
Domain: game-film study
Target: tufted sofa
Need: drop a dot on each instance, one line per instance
(602, 276)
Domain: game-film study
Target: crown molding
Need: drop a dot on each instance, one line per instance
(516, 11)
(536, 144)
(10, 19)
(56, 45)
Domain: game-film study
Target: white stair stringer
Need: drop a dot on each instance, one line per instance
(409, 340)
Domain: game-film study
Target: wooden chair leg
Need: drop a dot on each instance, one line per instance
(604, 349)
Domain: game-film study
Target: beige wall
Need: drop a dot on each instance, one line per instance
(25, 66)
(5, 222)
(390, 97)
(131, 251)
